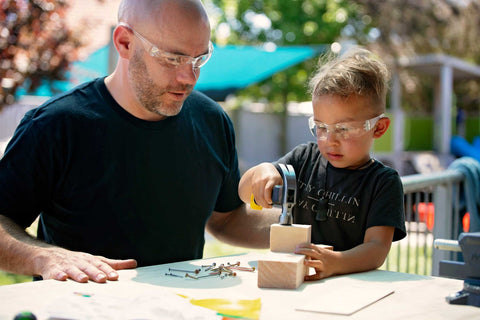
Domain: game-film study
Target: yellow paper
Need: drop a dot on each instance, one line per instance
(246, 309)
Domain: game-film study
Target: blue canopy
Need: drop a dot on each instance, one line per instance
(230, 68)
(96, 65)
(235, 67)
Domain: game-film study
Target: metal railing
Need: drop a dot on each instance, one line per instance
(431, 212)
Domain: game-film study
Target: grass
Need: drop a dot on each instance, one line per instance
(409, 259)
(10, 278)
(214, 248)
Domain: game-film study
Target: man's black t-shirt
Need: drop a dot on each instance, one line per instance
(110, 184)
(357, 199)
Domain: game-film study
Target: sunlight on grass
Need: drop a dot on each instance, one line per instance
(214, 248)
(409, 259)
(10, 278)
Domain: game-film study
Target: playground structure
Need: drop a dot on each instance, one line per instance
(444, 70)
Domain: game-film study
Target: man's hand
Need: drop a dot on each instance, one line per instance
(23, 254)
(60, 264)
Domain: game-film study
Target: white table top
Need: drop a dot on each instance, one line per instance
(413, 297)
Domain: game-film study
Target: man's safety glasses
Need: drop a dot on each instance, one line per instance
(343, 130)
(171, 59)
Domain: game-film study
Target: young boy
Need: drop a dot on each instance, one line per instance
(352, 201)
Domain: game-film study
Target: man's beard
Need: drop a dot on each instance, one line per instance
(151, 96)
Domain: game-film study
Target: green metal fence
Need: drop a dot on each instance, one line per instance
(431, 212)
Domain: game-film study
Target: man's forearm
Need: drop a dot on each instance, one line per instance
(18, 250)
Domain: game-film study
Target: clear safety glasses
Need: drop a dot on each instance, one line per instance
(343, 130)
(172, 59)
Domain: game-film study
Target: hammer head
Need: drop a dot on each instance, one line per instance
(286, 195)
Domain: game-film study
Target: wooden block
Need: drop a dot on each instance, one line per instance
(286, 238)
(281, 270)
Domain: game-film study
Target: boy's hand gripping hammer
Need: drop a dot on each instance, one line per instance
(283, 195)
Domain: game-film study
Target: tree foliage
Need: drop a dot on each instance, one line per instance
(391, 28)
(282, 23)
(35, 44)
(417, 27)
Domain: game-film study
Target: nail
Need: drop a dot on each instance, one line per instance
(234, 265)
(233, 274)
(227, 270)
(196, 271)
(173, 275)
(189, 276)
(208, 268)
(211, 265)
(82, 278)
(252, 269)
(101, 277)
(210, 275)
(219, 268)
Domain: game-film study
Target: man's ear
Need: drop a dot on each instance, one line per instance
(122, 38)
(381, 127)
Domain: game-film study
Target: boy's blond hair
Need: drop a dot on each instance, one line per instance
(357, 72)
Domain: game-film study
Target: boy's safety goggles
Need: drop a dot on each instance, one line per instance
(343, 130)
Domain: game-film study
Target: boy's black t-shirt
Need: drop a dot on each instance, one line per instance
(357, 199)
(110, 184)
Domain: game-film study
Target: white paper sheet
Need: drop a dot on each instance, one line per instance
(344, 300)
(161, 305)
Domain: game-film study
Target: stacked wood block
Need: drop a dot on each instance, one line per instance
(286, 238)
(281, 268)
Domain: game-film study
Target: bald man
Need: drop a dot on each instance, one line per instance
(127, 170)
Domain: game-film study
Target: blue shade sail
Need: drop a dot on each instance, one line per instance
(235, 67)
(231, 68)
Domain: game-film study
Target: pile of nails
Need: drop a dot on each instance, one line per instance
(222, 271)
